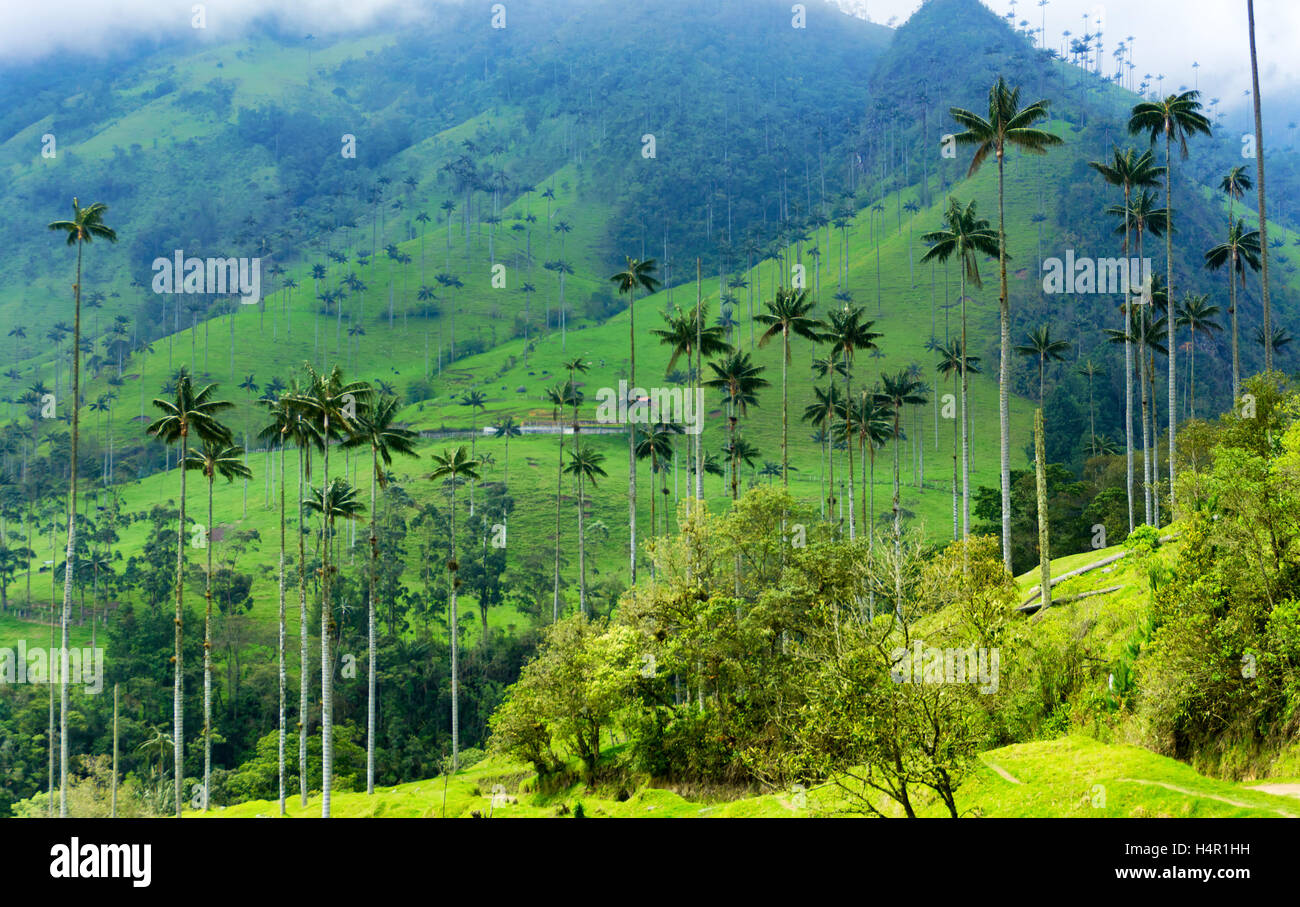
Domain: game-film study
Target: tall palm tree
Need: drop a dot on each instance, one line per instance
(655, 443)
(86, 226)
(638, 275)
(1007, 124)
(788, 313)
(1241, 250)
(848, 334)
(1263, 208)
(451, 467)
(953, 365)
(686, 333)
(1196, 314)
(584, 463)
(377, 427)
(821, 412)
(869, 420)
(507, 428)
(227, 461)
(739, 379)
(1129, 171)
(1178, 118)
(476, 400)
(559, 396)
(1235, 183)
(967, 236)
(332, 406)
(279, 430)
(1039, 344)
(187, 413)
(897, 391)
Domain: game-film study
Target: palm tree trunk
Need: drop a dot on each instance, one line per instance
(1004, 369)
(631, 434)
(965, 421)
(370, 616)
(1044, 549)
(72, 542)
(455, 643)
(848, 398)
(207, 656)
(281, 643)
(582, 548)
(956, 455)
(1128, 371)
(1263, 212)
(1172, 321)
(303, 674)
(559, 490)
(785, 408)
(1232, 310)
(326, 615)
(178, 679)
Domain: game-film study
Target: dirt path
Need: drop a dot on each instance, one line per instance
(1282, 790)
(1193, 793)
(1002, 772)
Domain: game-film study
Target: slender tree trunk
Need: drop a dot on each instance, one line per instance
(72, 542)
(1044, 549)
(326, 616)
(1172, 323)
(559, 491)
(1004, 369)
(631, 433)
(1232, 311)
(207, 655)
(178, 679)
(303, 674)
(582, 549)
(785, 408)
(370, 682)
(113, 807)
(848, 398)
(283, 672)
(1128, 370)
(455, 642)
(965, 421)
(1263, 212)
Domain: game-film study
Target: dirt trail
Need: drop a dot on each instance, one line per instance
(1194, 793)
(1006, 775)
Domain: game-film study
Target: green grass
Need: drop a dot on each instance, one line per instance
(1068, 777)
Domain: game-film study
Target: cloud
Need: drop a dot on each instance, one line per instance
(33, 30)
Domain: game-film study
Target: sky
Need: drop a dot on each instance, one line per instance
(1209, 32)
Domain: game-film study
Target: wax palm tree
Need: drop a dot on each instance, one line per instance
(638, 275)
(377, 427)
(687, 333)
(790, 312)
(86, 226)
(953, 365)
(186, 414)
(896, 391)
(966, 237)
(1196, 314)
(1235, 183)
(1281, 337)
(1007, 124)
(213, 459)
(507, 428)
(1088, 369)
(559, 396)
(655, 443)
(867, 421)
(279, 430)
(451, 467)
(739, 379)
(476, 401)
(1040, 345)
(1178, 118)
(332, 406)
(848, 334)
(1129, 171)
(821, 412)
(584, 463)
(1263, 208)
(1241, 250)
